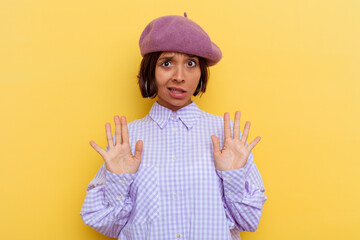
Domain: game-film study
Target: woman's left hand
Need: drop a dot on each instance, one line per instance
(235, 153)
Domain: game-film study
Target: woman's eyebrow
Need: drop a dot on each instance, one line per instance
(167, 57)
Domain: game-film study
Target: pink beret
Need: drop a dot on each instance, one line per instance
(178, 34)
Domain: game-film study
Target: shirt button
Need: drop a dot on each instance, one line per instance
(228, 193)
(174, 129)
(227, 179)
(120, 196)
(178, 235)
(173, 115)
(123, 181)
(176, 196)
(175, 158)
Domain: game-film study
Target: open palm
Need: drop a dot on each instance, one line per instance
(119, 159)
(235, 153)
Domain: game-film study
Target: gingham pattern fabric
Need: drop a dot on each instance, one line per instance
(177, 193)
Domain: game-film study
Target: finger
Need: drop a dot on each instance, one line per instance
(237, 125)
(97, 148)
(246, 132)
(138, 149)
(117, 130)
(109, 138)
(227, 129)
(216, 144)
(124, 130)
(254, 142)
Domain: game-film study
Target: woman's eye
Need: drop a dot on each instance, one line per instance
(166, 64)
(191, 63)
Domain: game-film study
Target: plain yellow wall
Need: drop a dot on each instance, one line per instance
(291, 67)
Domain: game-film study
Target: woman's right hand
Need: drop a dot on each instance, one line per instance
(119, 159)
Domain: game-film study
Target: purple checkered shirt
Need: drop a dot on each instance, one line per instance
(177, 193)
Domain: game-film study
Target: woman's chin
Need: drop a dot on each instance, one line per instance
(175, 104)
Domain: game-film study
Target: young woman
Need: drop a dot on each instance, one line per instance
(179, 172)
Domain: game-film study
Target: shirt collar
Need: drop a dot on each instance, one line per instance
(188, 114)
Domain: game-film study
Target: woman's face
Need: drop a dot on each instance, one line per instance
(177, 76)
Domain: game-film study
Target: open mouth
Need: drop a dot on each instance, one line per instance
(176, 90)
(177, 93)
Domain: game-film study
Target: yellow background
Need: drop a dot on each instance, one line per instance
(291, 67)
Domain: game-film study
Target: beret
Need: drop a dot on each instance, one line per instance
(178, 34)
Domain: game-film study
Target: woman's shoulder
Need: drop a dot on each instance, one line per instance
(211, 121)
(211, 117)
(139, 122)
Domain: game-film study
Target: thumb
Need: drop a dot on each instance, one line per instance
(138, 149)
(216, 144)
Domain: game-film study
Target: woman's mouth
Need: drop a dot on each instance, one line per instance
(177, 93)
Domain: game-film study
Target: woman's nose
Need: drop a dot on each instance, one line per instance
(179, 73)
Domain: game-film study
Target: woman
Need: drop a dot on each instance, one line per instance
(178, 173)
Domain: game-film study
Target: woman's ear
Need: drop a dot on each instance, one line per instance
(198, 88)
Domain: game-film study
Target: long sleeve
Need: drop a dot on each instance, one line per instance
(243, 196)
(107, 204)
(176, 192)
